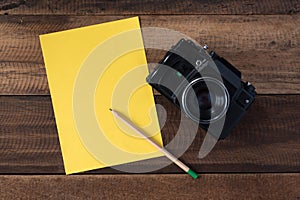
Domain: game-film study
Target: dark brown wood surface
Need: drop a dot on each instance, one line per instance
(259, 160)
(208, 186)
(94, 7)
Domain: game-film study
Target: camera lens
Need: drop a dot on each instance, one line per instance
(205, 100)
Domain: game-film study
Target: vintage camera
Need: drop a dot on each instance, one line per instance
(206, 87)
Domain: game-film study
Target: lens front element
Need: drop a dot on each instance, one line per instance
(207, 96)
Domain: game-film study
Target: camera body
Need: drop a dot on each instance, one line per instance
(206, 87)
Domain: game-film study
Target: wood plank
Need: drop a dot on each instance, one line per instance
(264, 48)
(100, 7)
(208, 186)
(266, 140)
(23, 78)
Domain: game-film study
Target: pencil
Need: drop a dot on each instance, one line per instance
(161, 149)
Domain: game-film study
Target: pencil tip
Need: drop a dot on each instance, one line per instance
(110, 109)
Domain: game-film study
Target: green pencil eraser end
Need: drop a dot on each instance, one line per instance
(192, 174)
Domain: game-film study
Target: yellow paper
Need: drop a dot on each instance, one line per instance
(90, 70)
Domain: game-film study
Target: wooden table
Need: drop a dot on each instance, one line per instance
(260, 158)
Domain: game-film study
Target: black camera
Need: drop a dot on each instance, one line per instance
(206, 87)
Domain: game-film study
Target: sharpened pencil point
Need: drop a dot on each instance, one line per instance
(110, 109)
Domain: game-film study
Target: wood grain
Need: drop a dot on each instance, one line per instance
(264, 48)
(100, 7)
(208, 186)
(266, 140)
(23, 78)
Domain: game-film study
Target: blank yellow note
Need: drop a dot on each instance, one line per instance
(90, 70)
